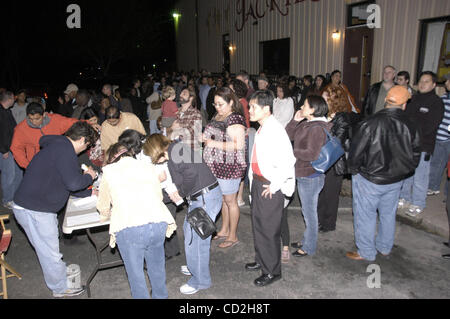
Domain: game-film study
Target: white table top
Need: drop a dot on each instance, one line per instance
(72, 210)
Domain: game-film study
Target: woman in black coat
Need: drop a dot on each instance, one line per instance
(328, 206)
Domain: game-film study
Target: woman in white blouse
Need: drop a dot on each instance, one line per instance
(130, 193)
(283, 106)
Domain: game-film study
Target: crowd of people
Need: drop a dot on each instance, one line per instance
(201, 140)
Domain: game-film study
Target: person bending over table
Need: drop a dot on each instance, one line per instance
(140, 221)
(52, 175)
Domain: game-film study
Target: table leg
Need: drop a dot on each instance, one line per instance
(100, 265)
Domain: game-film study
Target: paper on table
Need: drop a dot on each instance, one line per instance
(85, 203)
(82, 218)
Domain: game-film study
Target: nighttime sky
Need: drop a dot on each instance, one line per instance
(116, 38)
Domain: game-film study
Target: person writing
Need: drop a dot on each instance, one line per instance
(53, 174)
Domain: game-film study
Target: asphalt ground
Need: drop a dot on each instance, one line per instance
(414, 270)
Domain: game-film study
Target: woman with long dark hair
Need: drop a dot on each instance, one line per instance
(94, 153)
(341, 93)
(224, 153)
(319, 85)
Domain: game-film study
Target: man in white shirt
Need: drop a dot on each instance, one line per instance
(272, 177)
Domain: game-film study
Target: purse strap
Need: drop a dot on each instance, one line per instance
(327, 133)
(329, 136)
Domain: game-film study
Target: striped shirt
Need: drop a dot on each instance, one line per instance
(443, 133)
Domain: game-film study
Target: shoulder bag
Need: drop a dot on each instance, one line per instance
(200, 221)
(330, 153)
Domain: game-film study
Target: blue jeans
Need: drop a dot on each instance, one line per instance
(42, 232)
(139, 243)
(11, 177)
(308, 191)
(438, 164)
(367, 199)
(415, 188)
(198, 252)
(154, 127)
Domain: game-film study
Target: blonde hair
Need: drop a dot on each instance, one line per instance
(167, 92)
(156, 146)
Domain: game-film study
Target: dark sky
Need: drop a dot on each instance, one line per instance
(117, 39)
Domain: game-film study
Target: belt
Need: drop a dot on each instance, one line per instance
(261, 179)
(204, 191)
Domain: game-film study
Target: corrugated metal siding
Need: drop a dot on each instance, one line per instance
(309, 25)
(398, 41)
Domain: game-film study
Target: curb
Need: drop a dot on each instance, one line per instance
(417, 223)
(422, 224)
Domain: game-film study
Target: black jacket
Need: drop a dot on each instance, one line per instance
(7, 125)
(66, 109)
(188, 170)
(343, 125)
(385, 148)
(426, 112)
(370, 101)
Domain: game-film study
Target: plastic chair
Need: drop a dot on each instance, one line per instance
(5, 240)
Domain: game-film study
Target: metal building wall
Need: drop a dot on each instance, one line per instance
(309, 25)
(397, 43)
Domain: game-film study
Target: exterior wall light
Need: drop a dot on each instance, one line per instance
(336, 35)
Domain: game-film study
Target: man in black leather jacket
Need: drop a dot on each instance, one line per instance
(385, 150)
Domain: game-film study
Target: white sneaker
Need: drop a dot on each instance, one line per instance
(402, 203)
(9, 205)
(188, 290)
(414, 210)
(69, 293)
(432, 193)
(185, 271)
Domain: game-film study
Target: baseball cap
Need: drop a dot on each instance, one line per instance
(263, 79)
(71, 88)
(398, 95)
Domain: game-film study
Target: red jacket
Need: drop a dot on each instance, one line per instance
(25, 142)
(244, 104)
(448, 167)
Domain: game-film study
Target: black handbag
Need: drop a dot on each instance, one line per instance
(200, 221)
